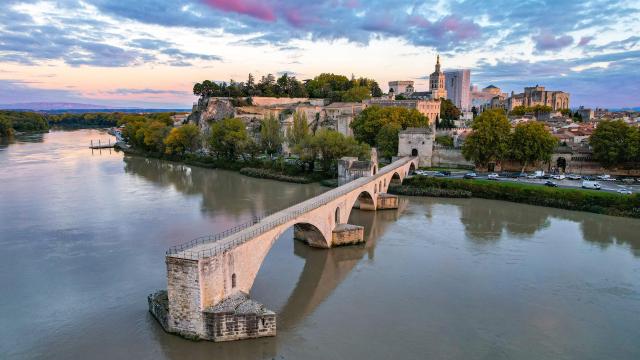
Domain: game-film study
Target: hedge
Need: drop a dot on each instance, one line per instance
(270, 174)
(428, 191)
(571, 199)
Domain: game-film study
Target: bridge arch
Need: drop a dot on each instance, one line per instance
(396, 179)
(310, 234)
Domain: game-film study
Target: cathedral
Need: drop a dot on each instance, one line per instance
(437, 87)
(436, 82)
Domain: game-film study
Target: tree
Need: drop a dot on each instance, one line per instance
(519, 110)
(489, 141)
(6, 128)
(331, 145)
(299, 131)
(375, 89)
(474, 110)
(270, 136)
(369, 122)
(182, 139)
(387, 140)
(444, 140)
(531, 142)
(448, 113)
(612, 143)
(356, 94)
(228, 138)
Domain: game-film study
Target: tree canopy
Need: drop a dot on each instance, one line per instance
(448, 113)
(325, 85)
(531, 142)
(228, 138)
(373, 119)
(489, 140)
(270, 136)
(615, 142)
(183, 139)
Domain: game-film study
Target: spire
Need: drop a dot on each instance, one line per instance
(438, 64)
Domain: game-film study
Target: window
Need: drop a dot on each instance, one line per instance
(233, 281)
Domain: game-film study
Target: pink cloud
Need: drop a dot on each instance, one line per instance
(459, 29)
(254, 8)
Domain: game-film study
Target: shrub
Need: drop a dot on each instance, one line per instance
(270, 174)
(571, 199)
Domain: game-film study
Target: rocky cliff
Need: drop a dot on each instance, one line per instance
(211, 109)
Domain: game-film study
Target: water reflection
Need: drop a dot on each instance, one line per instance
(487, 221)
(221, 191)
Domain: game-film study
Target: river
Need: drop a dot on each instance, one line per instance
(83, 235)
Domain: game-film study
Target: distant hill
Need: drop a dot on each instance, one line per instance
(78, 108)
(51, 106)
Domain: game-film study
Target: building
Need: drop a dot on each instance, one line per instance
(417, 142)
(437, 82)
(482, 99)
(340, 115)
(429, 108)
(401, 87)
(458, 87)
(586, 114)
(537, 95)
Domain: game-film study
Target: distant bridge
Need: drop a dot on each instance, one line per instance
(204, 274)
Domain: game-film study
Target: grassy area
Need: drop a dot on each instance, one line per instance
(570, 199)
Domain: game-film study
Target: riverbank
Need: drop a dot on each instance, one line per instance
(570, 199)
(256, 168)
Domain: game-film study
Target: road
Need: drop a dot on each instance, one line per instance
(611, 186)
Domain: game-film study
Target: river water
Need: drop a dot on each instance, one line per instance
(83, 235)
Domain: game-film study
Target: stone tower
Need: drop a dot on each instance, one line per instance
(436, 82)
(417, 142)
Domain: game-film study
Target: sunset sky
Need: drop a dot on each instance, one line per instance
(148, 53)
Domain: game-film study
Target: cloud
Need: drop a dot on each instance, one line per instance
(546, 41)
(585, 40)
(254, 8)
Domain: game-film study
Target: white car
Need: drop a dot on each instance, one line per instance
(574, 177)
(532, 176)
(594, 185)
(558, 177)
(625, 192)
(606, 177)
(493, 176)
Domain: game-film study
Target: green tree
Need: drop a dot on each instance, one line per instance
(369, 122)
(299, 131)
(448, 113)
(228, 138)
(612, 143)
(331, 145)
(182, 139)
(489, 141)
(444, 140)
(531, 143)
(387, 140)
(356, 94)
(519, 110)
(270, 136)
(6, 128)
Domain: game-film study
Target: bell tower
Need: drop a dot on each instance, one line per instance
(436, 82)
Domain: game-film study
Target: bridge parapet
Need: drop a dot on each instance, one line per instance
(242, 233)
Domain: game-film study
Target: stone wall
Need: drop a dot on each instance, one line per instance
(270, 101)
(447, 157)
(347, 234)
(237, 318)
(183, 290)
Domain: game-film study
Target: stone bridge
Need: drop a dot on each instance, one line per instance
(209, 279)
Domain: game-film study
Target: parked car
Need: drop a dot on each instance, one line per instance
(421, 172)
(540, 174)
(493, 176)
(470, 175)
(625, 191)
(606, 177)
(446, 173)
(574, 177)
(558, 177)
(594, 185)
(438, 174)
(522, 175)
(532, 176)
(550, 183)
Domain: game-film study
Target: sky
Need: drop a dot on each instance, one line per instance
(149, 53)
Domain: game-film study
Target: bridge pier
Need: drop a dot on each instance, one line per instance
(347, 234)
(387, 201)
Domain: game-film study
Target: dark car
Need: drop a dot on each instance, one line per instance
(470, 175)
(550, 183)
(446, 173)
